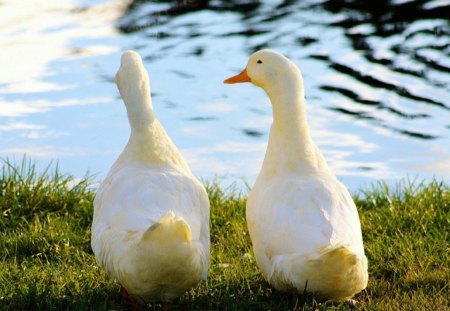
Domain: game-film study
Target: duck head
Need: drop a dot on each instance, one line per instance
(132, 78)
(269, 70)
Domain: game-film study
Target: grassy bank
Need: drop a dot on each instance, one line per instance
(47, 263)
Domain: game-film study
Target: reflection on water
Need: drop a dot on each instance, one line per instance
(376, 78)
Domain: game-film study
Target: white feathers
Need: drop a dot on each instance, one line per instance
(303, 223)
(151, 215)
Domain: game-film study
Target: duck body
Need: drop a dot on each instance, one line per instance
(299, 244)
(303, 223)
(150, 228)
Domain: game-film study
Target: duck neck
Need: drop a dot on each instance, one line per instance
(290, 145)
(139, 106)
(152, 145)
(289, 118)
(149, 141)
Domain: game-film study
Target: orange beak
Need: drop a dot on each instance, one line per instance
(239, 78)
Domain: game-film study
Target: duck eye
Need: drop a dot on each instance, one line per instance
(259, 61)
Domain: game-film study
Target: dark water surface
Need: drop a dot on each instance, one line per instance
(376, 78)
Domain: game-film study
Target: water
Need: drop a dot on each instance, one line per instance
(376, 78)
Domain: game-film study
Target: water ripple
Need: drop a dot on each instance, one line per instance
(376, 77)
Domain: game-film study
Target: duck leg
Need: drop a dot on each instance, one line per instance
(130, 300)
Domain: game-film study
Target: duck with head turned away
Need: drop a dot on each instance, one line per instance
(150, 229)
(303, 223)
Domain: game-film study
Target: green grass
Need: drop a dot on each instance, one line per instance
(47, 263)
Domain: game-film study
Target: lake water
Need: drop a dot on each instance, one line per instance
(376, 78)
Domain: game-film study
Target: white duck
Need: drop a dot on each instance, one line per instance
(303, 223)
(151, 215)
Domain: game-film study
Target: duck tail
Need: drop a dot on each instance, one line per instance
(169, 228)
(340, 272)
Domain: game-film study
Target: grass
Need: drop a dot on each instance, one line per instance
(47, 263)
